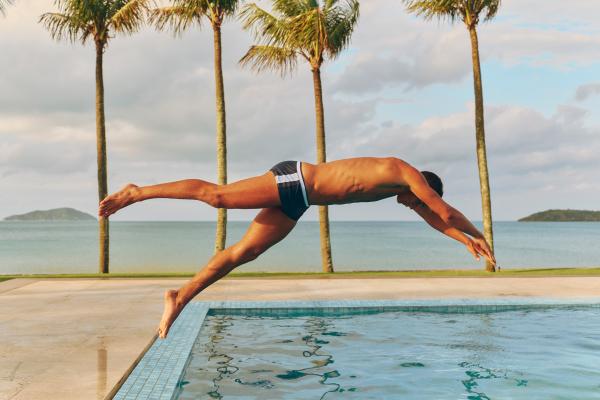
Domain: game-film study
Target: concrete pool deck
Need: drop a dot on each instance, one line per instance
(75, 338)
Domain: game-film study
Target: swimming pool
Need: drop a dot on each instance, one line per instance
(373, 350)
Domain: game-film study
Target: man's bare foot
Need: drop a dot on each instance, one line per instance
(113, 203)
(172, 310)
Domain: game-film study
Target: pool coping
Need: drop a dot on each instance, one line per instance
(156, 373)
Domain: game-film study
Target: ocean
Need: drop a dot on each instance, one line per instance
(72, 247)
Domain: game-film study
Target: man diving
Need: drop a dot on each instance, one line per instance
(284, 193)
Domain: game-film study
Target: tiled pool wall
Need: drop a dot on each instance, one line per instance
(157, 375)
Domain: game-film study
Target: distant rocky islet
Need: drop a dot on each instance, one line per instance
(563, 216)
(55, 214)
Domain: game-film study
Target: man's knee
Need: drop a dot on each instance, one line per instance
(215, 197)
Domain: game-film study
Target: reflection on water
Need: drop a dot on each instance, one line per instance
(319, 359)
(476, 373)
(479, 341)
(225, 369)
(101, 368)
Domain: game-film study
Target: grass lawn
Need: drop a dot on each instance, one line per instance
(343, 275)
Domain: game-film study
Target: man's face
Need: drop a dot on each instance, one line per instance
(408, 199)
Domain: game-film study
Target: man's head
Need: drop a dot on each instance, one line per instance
(411, 201)
(434, 182)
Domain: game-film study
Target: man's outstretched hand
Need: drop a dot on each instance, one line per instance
(479, 247)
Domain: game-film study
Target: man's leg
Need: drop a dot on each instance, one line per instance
(257, 192)
(269, 227)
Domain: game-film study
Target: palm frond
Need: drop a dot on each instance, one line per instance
(469, 11)
(489, 8)
(176, 18)
(3, 4)
(96, 11)
(130, 16)
(429, 9)
(266, 27)
(340, 22)
(198, 6)
(303, 26)
(292, 8)
(62, 26)
(308, 31)
(274, 58)
(229, 7)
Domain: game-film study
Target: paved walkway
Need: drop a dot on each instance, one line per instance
(74, 339)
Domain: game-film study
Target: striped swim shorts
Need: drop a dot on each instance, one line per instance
(290, 184)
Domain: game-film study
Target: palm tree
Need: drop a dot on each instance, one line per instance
(469, 12)
(178, 17)
(83, 20)
(3, 4)
(311, 30)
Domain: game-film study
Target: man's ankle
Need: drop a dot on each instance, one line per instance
(180, 301)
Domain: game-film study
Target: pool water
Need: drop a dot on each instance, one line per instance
(525, 354)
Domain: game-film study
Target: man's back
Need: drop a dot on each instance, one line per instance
(353, 180)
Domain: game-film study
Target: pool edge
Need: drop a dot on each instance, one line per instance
(129, 370)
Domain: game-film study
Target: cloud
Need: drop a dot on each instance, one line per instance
(430, 60)
(584, 92)
(160, 109)
(536, 47)
(409, 53)
(559, 150)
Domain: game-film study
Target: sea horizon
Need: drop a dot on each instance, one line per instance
(34, 247)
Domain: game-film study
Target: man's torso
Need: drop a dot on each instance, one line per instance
(352, 180)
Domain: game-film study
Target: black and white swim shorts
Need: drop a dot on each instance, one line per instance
(292, 192)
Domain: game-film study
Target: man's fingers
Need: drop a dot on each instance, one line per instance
(486, 252)
(473, 250)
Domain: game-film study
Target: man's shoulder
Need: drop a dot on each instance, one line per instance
(397, 163)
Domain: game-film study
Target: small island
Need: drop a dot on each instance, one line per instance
(56, 214)
(563, 216)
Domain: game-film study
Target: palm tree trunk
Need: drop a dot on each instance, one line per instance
(484, 182)
(221, 137)
(101, 150)
(321, 158)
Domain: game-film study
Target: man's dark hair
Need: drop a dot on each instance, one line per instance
(434, 182)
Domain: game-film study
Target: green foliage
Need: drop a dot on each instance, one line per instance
(271, 57)
(184, 13)
(468, 11)
(81, 20)
(296, 28)
(3, 4)
(450, 273)
(563, 216)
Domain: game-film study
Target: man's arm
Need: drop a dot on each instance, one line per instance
(448, 214)
(435, 222)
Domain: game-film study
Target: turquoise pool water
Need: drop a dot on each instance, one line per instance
(549, 353)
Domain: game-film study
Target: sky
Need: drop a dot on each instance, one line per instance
(402, 88)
